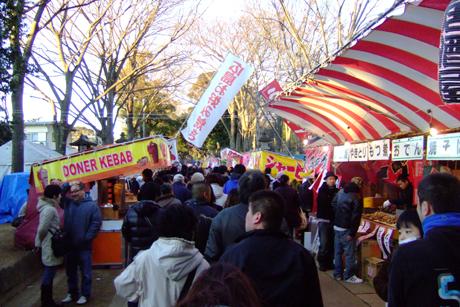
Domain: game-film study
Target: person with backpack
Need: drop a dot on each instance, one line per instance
(204, 212)
(140, 225)
(162, 275)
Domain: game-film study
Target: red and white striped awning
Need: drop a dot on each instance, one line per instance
(385, 84)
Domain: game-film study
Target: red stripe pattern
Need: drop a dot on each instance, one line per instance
(379, 86)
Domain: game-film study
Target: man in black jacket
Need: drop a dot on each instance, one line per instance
(406, 199)
(427, 272)
(204, 213)
(348, 207)
(325, 217)
(140, 225)
(283, 270)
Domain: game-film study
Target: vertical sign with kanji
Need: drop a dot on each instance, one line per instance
(379, 150)
(443, 147)
(407, 149)
(225, 84)
(358, 152)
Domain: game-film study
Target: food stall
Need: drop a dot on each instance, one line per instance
(263, 159)
(101, 170)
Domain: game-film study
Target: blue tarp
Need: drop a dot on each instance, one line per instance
(12, 195)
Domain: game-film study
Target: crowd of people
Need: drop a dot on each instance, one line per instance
(224, 237)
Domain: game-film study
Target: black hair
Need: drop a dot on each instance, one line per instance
(272, 206)
(222, 169)
(441, 191)
(166, 189)
(250, 182)
(52, 190)
(214, 178)
(239, 169)
(267, 181)
(177, 221)
(408, 218)
(402, 177)
(233, 199)
(284, 179)
(268, 170)
(147, 173)
(173, 170)
(149, 191)
(199, 188)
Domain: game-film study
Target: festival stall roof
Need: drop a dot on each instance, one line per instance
(385, 84)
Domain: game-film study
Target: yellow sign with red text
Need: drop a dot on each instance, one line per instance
(263, 159)
(104, 162)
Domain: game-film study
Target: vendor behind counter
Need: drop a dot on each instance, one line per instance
(405, 200)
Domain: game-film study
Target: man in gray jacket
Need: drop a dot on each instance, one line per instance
(229, 224)
(82, 220)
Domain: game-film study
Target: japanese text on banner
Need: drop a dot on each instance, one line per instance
(230, 77)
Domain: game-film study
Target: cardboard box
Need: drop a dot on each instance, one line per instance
(371, 268)
(369, 248)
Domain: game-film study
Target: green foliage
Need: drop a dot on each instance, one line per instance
(5, 132)
(200, 86)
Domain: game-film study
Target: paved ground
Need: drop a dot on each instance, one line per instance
(335, 294)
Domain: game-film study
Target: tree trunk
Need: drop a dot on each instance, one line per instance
(232, 129)
(288, 136)
(17, 153)
(17, 82)
(129, 119)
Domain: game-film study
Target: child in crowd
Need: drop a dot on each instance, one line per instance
(410, 229)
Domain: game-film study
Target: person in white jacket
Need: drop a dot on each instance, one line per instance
(216, 184)
(157, 276)
(49, 223)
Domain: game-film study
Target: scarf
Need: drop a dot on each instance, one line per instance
(442, 219)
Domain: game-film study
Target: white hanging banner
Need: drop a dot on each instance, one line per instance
(340, 154)
(379, 150)
(225, 84)
(358, 152)
(407, 149)
(443, 147)
(172, 144)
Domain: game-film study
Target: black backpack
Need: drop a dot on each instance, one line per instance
(133, 186)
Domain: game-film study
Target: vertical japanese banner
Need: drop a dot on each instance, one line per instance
(317, 159)
(172, 144)
(226, 83)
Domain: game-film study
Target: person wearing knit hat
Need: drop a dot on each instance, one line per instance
(195, 178)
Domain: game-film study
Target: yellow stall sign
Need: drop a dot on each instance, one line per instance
(104, 162)
(263, 159)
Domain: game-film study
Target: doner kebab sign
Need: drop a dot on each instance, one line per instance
(225, 84)
(104, 162)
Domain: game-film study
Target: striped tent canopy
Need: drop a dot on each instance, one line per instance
(386, 84)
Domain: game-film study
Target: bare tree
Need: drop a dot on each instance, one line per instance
(147, 27)
(71, 44)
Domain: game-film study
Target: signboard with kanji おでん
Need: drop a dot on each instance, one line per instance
(407, 149)
(104, 162)
(443, 147)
